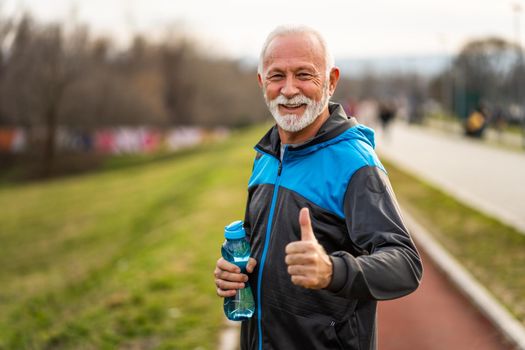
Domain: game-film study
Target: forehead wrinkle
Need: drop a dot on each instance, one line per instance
(311, 50)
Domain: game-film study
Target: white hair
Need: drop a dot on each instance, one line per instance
(297, 29)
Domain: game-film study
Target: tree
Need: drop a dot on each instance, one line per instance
(42, 66)
(179, 91)
(483, 71)
(6, 28)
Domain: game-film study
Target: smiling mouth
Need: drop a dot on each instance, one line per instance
(292, 106)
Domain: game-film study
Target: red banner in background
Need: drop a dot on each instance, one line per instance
(12, 140)
(118, 140)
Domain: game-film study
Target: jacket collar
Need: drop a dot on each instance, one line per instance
(336, 124)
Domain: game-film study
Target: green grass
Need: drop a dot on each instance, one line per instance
(493, 252)
(122, 258)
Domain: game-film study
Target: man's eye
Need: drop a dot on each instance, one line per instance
(304, 75)
(275, 77)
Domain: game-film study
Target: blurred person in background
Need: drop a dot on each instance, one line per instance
(325, 229)
(387, 113)
(476, 122)
(499, 121)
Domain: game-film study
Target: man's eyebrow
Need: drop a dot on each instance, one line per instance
(311, 71)
(296, 69)
(309, 68)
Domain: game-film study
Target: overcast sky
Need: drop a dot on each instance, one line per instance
(354, 29)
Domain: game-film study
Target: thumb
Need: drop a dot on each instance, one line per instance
(307, 233)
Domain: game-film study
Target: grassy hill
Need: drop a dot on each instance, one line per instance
(122, 258)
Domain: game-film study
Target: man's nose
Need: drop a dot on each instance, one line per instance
(289, 89)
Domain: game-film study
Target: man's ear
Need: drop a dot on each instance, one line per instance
(259, 80)
(334, 79)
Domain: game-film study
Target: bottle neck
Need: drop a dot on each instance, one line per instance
(236, 239)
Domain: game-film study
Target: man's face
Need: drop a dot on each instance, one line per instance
(294, 81)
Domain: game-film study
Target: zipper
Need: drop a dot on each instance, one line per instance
(266, 244)
(356, 324)
(336, 337)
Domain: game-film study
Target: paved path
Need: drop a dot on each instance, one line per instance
(485, 177)
(435, 317)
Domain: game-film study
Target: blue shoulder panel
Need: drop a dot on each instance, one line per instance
(321, 173)
(264, 170)
(322, 177)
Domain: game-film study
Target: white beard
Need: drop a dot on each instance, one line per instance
(294, 122)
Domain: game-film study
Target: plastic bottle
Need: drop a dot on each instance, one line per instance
(236, 250)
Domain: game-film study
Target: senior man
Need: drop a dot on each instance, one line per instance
(326, 232)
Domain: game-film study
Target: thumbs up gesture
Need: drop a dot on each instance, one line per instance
(308, 264)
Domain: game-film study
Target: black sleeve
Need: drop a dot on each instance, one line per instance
(390, 266)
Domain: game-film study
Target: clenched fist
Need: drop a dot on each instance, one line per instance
(308, 264)
(228, 277)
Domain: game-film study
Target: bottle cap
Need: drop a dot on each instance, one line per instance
(235, 230)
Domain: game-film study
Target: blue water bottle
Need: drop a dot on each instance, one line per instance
(236, 250)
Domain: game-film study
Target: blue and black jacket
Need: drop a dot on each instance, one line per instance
(355, 217)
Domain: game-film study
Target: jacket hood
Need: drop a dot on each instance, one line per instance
(338, 127)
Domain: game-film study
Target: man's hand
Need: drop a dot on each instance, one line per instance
(308, 264)
(228, 277)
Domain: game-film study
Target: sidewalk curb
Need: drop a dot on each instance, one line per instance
(467, 285)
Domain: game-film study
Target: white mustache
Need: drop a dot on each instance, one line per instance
(296, 100)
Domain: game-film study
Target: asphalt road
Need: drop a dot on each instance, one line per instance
(485, 177)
